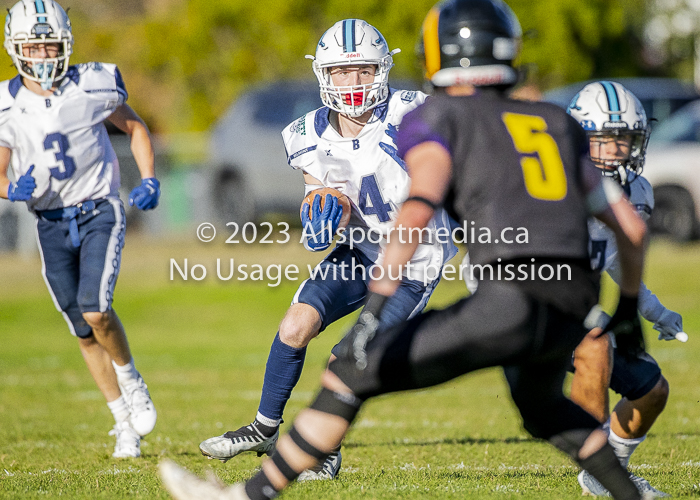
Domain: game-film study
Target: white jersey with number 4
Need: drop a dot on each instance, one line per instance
(368, 170)
(603, 247)
(63, 136)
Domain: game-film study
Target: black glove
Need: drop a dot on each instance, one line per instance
(626, 327)
(365, 329)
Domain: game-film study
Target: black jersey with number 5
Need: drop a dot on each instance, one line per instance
(516, 180)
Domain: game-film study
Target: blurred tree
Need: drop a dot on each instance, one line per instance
(185, 61)
(672, 37)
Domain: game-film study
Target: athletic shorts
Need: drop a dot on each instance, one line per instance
(339, 287)
(633, 379)
(82, 279)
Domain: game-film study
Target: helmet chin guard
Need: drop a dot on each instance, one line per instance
(353, 42)
(39, 21)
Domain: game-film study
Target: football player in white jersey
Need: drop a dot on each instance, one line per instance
(53, 138)
(618, 132)
(349, 145)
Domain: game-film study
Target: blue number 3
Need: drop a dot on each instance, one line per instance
(371, 201)
(63, 146)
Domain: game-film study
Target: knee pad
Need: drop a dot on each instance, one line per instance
(345, 406)
(570, 442)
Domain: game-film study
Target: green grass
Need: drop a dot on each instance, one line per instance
(202, 348)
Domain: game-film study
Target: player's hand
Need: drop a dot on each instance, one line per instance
(322, 224)
(24, 187)
(668, 325)
(145, 196)
(365, 329)
(627, 328)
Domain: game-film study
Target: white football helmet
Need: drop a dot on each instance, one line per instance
(39, 21)
(353, 42)
(607, 109)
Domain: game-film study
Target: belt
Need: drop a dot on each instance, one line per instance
(70, 214)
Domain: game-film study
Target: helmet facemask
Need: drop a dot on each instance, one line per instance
(354, 100)
(44, 71)
(623, 161)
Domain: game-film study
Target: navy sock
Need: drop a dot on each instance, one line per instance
(282, 372)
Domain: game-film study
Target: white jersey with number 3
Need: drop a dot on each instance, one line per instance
(368, 170)
(63, 136)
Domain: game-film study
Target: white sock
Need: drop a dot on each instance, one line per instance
(126, 374)
(624, 447)
(270, 422)
(119, 409)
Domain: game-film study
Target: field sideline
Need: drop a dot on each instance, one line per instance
(202, 347)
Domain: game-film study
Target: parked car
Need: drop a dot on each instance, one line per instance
(673, 168)
(249, 174)
(673, 157)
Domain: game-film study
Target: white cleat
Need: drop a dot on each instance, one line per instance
(647, 490)
(184, 485)
(128, 441)
(138, 399)
(228, 445)
(324, 471)
(591, 487)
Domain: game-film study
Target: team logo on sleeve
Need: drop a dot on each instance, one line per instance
(299, 126)
(407, 96)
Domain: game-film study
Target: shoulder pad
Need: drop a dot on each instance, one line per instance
(98, 78)
(8, 91)
(642, 196)
(299, 139)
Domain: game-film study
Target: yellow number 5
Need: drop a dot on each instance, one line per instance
(543, 169)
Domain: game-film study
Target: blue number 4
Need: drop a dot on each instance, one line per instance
(50, 143)
(371, 201)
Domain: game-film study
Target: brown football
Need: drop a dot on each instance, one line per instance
(343, 200)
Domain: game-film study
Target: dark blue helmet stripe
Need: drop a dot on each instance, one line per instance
(349, 35)
(40, 9)
(613, 100)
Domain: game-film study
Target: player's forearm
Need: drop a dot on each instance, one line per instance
(403, 242)
(649, 305)
(4, 186)
(5, 155)
(631, 237)
(142, 149)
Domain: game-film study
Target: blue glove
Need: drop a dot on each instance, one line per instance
(22, 189)
(318, 227)
(145, 196)
(668, 325)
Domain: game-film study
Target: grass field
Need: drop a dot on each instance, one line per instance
(202, 347)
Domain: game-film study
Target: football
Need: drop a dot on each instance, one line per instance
(343, 200)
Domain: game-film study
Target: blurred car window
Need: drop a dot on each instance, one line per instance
(277, 107)
(682, 126)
